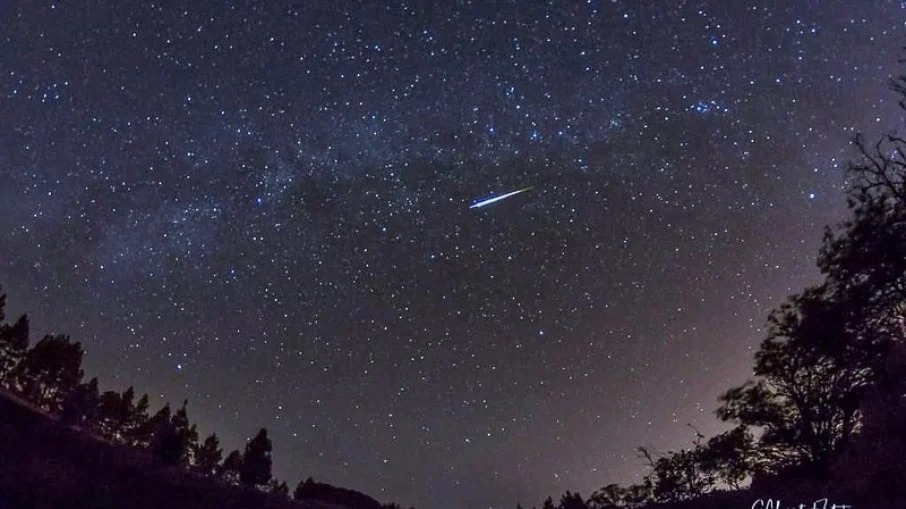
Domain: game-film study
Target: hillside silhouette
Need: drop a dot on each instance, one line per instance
(47, 462)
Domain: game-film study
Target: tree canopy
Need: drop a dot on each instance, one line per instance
(256, 461)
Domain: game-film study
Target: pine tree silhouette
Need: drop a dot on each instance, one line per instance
(110, 414)
(302, 489)
(49, 371)
(256, 461)
(80, 408)
(135, 420)
(187, 434)
(231, 467)
(279, 489)
(208, 455)
(13, 346)
(572, 501)
(144, 436)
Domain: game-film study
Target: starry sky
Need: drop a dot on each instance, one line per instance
(263, 207)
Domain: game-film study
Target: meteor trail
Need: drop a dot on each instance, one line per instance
(488, 201)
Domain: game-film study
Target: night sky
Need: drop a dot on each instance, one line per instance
(263, 207)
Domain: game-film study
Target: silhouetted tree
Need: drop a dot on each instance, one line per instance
(279, 489)
(49, 371)
(638, 495)
(864, 259)
(608, 497)
(614, 496)
(677, 475)
(208, 455)
(231, 467)
(80, 408)
(13, 346)
(302, 489)
(873, 462)
(173, 439)
(572, 501)
(109, 412)
(810, 383)
(181, 416)
(730, 457)
(144, 435)
(168, 445)
(548, 503)
(136, 418)
(256, 461)
(828, 346)
(116, 414)
(187, 433)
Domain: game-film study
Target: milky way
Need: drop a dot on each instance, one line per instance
(264, 208)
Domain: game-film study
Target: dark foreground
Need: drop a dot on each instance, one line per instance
(46, 465)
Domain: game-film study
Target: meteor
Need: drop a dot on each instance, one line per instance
(487, 201)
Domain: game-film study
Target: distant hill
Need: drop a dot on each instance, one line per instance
(44, 464)
(325, 493)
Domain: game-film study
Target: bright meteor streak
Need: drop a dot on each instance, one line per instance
(488, 201)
